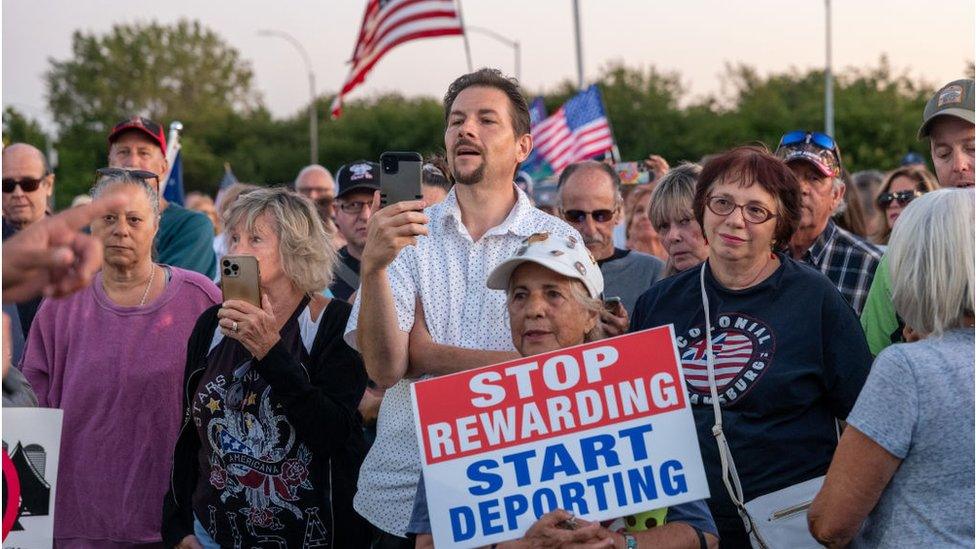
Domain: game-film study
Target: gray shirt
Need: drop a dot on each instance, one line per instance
(628, 274)
(918, 404)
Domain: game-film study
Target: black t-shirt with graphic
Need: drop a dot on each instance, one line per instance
(790, 357)
(259, 483)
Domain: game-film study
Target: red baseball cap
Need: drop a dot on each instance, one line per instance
(150, 128)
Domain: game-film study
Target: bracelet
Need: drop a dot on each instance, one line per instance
(630, 540)
(702, 544)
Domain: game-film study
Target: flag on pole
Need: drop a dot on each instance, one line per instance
(579, 130)
(389, 23)
(535, 164)
(225, 182)
(173, 191)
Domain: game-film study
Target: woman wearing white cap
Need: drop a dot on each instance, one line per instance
(554, 289)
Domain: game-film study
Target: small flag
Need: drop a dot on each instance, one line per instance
(578, 131)
(389, 23)
(173, 191)
(535, 165)
(226, 181)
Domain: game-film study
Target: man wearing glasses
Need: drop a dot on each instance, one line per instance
(185, 237)
(847, 260)
(358, 182)
(27, 187)
(589, 200)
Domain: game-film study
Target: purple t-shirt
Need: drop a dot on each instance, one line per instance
(117, 372)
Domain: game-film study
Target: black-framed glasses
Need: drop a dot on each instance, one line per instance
(902, 197)
(355, 207)
(141, 175)
(579, 216)
(751, 212)
(26, 184)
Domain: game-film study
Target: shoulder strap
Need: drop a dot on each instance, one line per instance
(730, 477)
(347, 275)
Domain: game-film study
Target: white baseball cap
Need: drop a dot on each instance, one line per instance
(564, 255)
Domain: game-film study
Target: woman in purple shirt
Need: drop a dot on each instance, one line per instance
(111, 356)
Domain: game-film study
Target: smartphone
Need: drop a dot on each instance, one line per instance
(632, 173)
(240, 278)
(612, 303)
(400, 176)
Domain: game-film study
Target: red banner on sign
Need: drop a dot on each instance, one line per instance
(553, 394)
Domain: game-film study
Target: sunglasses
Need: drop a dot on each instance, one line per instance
(903, 198)
(819, 139)
(141, 175)
(27, 184)
(579, 216)
(153, 127)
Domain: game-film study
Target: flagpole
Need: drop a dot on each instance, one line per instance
(579, 46)
(172, 147)
(464, 33)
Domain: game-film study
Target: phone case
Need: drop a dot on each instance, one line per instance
(242, 283)
(405, 183)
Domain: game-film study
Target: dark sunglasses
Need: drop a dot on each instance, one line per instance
(27, 184)
(903, 198)
(819, 139)
(139, 121)
(579, 216)
(141, 175)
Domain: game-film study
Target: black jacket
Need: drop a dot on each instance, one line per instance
(321, 403)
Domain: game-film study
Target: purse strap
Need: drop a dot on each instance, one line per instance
(730, 477)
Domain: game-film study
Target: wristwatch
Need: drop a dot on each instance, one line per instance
(631, 541)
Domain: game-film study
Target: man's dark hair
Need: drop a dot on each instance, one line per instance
(436, 173)
(492, 78)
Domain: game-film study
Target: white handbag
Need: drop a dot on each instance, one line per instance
(777, 520)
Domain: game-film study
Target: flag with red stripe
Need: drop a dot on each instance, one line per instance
(579, 130)
(389, 23)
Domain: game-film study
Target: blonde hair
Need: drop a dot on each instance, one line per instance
(924, 182)
(931, 261)
(308, 254)
(673, 196)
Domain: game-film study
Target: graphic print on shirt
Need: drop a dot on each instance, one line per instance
(743, 348)
(254, 458)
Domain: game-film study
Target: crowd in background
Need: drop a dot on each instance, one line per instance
(840, 307)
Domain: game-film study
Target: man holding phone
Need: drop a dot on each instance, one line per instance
(440, 259)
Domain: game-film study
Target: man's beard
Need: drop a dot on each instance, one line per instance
(471, 178)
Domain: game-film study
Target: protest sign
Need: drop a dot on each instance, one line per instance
(602, 429)
(31, 446)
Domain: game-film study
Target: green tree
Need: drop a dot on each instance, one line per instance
(182, 71)
(17, 128)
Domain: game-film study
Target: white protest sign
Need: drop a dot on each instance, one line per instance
(31, 447)
(603, 430)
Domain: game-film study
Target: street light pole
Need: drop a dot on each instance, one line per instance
(514, 44)
(579, 45)
(828, 82)
(313, 119)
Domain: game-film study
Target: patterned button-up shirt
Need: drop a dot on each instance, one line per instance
(448, 272)
(848, 261)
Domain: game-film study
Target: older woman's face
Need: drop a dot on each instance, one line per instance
(543, 314)
(731, 237)
(683, 240)
(261, 242)
(127, 233)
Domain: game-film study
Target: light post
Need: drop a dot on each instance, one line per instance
(828, 83)
(313, 120)
(514, 44)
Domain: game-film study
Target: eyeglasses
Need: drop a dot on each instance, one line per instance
(753, 213)
(579, 216)
(26, 184)
(821, 140)
(353, 208)
(141, 175)
(903, 198)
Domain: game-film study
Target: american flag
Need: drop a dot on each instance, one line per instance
(389, 23)
(579, 130)
(733, 351)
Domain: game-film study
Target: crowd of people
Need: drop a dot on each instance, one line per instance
(824, 322)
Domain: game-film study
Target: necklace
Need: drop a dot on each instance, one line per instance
(145, 294)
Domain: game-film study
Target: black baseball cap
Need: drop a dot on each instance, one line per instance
(361, 175)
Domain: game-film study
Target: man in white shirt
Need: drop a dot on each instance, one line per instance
(440, 258)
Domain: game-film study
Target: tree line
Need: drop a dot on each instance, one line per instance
(187, 72)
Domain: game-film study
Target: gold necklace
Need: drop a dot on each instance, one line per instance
(145, 294)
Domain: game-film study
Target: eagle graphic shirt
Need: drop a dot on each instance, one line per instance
(790, 358)
(259, 484)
